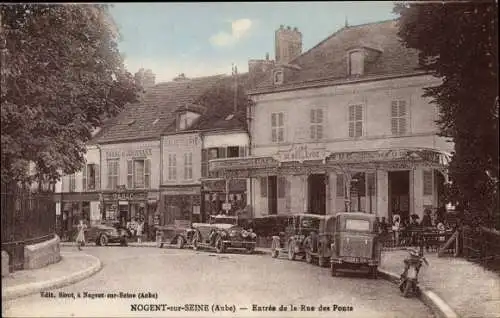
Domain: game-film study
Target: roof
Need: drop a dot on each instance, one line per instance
(328, 59)
(156, 111)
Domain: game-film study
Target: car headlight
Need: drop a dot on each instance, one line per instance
(244, 233)
(223, 234)
(253, 235)
(232, 233)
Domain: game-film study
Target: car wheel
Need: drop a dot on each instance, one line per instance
(291, 251)
(309, 257)
(219, 246)
(195, 242)
(103, 240)
(180, 242)
(334, 269)
(275, 249)
(97, 242)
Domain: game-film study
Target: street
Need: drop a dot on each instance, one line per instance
(258, 283)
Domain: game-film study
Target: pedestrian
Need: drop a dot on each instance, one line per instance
(396, 222)
(426, 220)
(80, 238)
(140, 228)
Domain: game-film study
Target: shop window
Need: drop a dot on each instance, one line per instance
(427, 182)
(277, 127)
(233, 152)
(398, 117)
(90, 177)
(72, 183)
(113, 168)
(355, 120)
(316, 122)
(188, 166)
(263, 187)
(172, 167)
(281, 187)
(340, 186)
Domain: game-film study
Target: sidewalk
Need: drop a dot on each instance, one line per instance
(73, 267)
(467, 288)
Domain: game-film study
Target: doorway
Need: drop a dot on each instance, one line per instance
(399, 194)
(317, 193)
(272, 190)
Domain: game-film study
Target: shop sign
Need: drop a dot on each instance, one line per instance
(242, 163)
(182, 141)
(220, 185)
(124, 196)
(129, 153)
(182, 191)
(386, 155)
(302, 153)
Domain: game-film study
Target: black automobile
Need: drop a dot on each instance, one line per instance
(103, 234)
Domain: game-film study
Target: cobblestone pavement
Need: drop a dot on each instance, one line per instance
(184, 276)
(466, 287)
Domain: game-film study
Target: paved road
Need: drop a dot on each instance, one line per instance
(180, 277)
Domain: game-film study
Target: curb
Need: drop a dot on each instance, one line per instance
(36, 287)
(132, 244)
(439, 307)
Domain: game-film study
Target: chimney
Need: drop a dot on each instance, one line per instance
(288, 44)
(267, 56)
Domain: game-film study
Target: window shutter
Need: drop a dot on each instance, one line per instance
(263, 187)
(394, 126)
(319, 131)
(273, 120)
(281, 134)
(402, 126)
(84, 178)
(313, 116)
(402, 108)
(241, 151)
(222, 152)
(319, 116)
(352, 112)
(340, 185)
(313, 132)
(97, 177)
(394, 109)
(359, 112)
(427, 182)
(147, 173)
(359, 128)
(281, 186)
(281, 120)
(274, 137)
(130, 173)
(174, 169)
(351, 129)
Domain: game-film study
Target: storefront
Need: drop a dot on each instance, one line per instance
(124, 205)
(314, 180)
(214, 195)
(180, 203)
(76, 206)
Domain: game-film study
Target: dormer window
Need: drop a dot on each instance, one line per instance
(356, 62)
(278, 77)
(186, 119)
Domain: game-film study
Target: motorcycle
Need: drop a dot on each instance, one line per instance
(409, 279)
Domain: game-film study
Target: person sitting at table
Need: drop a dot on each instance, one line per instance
(426, 220)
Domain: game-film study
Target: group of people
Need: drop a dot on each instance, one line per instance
(402, 227)
(136, 228)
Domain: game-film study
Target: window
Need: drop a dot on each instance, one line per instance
(213, 153)
(356, 63)
(282, 186)
(113, 167)
(340, 186)
(278, 77)
(172, 166)
(277, 127)
(398, 117)
(90, 177)
(316, 119)
(138, 173)
(427, 182)
(263, 187)
(233, 152)
(188, 166)
(72, 183)
(355, 120)
(357, 225)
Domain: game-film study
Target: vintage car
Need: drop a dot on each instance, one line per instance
(355, 243)
(317, 243)
(180, 233)
(103, 234)
(300, 226)
(222, 233)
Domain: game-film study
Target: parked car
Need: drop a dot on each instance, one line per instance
(300, 226)
(103, 234)
(317, 243)
(180, 233)
(222, 233)
(355, 243)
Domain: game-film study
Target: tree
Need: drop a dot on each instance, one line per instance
(61, 76)
(458, 42)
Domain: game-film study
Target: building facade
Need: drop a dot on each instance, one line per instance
(344, 127)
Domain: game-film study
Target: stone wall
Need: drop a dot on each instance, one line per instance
(42, 254)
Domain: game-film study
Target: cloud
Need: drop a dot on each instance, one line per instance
(239, 28)
(168, 68)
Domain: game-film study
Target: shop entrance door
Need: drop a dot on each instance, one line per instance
(272, 200)
(317, 193)
(399, 194)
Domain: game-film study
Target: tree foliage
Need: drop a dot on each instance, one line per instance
(61, 76)
(458, 42)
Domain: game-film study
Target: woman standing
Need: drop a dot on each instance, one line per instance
(80, 238)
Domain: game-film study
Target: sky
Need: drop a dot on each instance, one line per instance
(203, 39)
